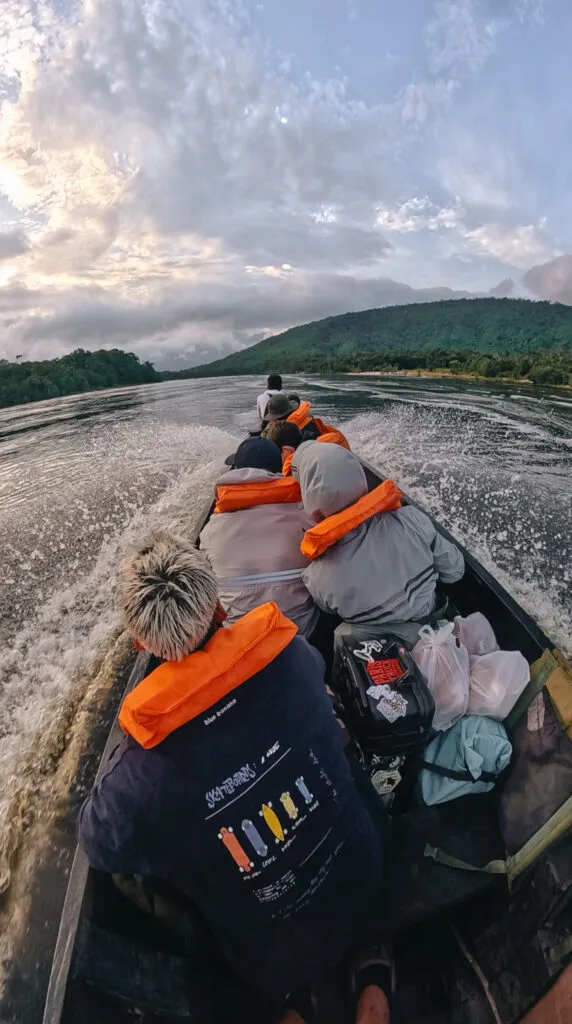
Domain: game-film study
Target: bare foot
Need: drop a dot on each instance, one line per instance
(373, 1007)
(292, 1017)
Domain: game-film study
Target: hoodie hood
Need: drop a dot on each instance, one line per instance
(247, 476)
(330, 477)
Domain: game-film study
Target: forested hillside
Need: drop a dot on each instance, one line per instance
(80, 371)
(484, 337)
(457, 328)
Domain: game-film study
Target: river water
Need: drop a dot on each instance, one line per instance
(81, 477)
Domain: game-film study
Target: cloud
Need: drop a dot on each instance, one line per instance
(12, 244)
(552, 280)
(419, 214)
(176, 186)
(213, 311)
(518, 246)
(503, 290)
(459, 40)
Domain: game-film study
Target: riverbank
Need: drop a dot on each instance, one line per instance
(449, 375)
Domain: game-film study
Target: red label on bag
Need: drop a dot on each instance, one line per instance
(385, 671)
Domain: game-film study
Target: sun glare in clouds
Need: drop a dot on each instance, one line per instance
(176, 178)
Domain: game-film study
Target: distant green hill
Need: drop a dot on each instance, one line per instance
(79, 371)
(452, 329)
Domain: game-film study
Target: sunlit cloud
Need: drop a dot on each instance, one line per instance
(172, 181)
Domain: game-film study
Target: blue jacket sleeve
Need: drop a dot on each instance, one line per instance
(107, 822)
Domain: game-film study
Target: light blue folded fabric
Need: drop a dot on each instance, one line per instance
(474, 745)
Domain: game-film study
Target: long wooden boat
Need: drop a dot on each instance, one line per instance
(471, 945)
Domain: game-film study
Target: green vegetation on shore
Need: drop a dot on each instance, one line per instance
(462, 329)
(79, 371)
(537, 367)
(505, 338)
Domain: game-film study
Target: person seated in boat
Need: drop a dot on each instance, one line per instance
(372, 560)
(291, 409)
(273, 387)
(231, 784)
(253, 538)
(288, 437)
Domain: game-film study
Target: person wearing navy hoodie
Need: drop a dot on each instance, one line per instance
(231, 783)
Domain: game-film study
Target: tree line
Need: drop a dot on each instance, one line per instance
(537, 367)
(481, 337)
(79, 371)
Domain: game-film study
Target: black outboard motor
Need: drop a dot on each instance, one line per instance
(385, 704)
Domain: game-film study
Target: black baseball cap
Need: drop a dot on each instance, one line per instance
(256, 453)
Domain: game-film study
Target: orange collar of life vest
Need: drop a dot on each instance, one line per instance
(385, 498)
(301, 416)
(179, 691)
(330, 436)
(233, 497)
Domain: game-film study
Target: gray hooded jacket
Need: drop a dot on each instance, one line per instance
(385, 570)
(256, 555)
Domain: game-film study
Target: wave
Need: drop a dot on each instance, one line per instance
(48, 668)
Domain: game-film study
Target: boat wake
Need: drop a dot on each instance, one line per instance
(66, 656)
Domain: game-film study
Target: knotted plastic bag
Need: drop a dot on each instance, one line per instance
(497, 681)
(444, 662)
(476, 633)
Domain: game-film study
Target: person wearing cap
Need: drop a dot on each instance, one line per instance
(231, 788)
(253, 538)
(288, 437)
(273, 387)
(279, 408)
(292, 410)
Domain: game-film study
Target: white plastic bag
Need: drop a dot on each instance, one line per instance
(497, 681)
(476, 633)
(445, 664)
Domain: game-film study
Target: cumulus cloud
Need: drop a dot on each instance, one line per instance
(520, 246)
(552, 280)
(13, 243)
(419, 214)
(180, 190)
(503, 290)
(229, 312)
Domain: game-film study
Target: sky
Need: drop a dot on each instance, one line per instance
(182, 178)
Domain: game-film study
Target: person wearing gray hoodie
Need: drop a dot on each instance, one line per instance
(253, 538)
(372, 561)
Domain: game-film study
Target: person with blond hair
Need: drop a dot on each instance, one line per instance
(231, 784)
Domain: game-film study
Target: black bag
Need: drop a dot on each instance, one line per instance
(393, 721)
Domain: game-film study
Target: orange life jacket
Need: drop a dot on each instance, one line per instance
(178, 691)
(301, 416)
(331, 435)
(233, 497)
(385, 498)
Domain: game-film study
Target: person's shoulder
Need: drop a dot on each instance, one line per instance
(299, 650)
(416, 519)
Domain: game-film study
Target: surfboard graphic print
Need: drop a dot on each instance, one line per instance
(273, 822)
(289, 806)
(303, 789)
(236, 851)
(254, 838)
